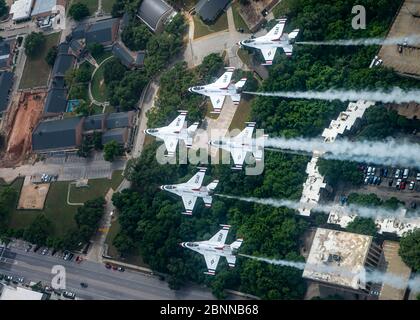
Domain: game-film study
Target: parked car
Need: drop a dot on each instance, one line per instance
(418, 176)
(83, 284)
(69, 294)
(378, 181)
(369, 171)
(390, 182)
(398, 184)
(406, 173)
(413, 205)
(385, 172)
(114, 268)
(411, 186)
(108, 265)
(403, 183)
(366, 180)
(44, 251)
(28, 248)
(375, 179)
(397, 174)
(121, 269)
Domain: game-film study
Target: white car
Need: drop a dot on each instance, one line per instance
(418, 176)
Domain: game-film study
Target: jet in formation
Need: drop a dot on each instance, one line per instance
(214, 248)
(274, 39)
(242, 144)
(175, 131)
(193, 189)
(223, 87)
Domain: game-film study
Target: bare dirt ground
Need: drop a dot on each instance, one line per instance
(32, 196)
(408, 61)
(251, 13)
(409, 110)
(23, 116)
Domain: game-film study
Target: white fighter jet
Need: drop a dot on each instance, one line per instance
(218, 90)
(240, 145)
(214, 248)
(191, 190)
(274, 39)
(176, 130)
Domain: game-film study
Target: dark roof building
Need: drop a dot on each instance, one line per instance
(57, 135)
(62, 64)
(94, 122)
(78, 32)
(119, 120)
(123, 55)
(154, 13)
(104, 32)
(56, 101)
(6, 84)
(6, 53)
(210, 10)
(120, 135)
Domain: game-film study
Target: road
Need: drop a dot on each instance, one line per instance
(103, 284)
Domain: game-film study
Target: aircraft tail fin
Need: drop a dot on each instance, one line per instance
(259, 148)
(190, 134)
(212, 185)
(293, 35)
(231, 260)
(240, 84)
(235, 245)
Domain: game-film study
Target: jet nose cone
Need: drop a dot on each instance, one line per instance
(190, 89)
(162, 187)
(182, 244)
(145, 131)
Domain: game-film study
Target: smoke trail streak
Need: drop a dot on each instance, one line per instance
(366, 212)
(395, 95)
(390, 279)
(410, 40)
(389, 152)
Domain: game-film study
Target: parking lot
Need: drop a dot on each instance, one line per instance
(387, 182)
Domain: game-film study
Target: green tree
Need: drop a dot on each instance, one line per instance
(3, 8)
(135, 36)
(124, 244)
(83, 109)
(340, 171)
(51, 55)
(410, 249)
(38, 231)
(96, 49)
(34, 44)
(78, 11)
(112, 150)
(362, 225)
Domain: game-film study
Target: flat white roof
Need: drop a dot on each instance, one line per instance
(21, 9)
(398, 225)
(19, 293)
(338, 257)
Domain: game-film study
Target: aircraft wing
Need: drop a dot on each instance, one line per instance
(189, 203)
(170, 144)
(231, 260)
(197, 180)
(246, 134)
(220, 237)
(288, 50)
(224, 81)
(178, 123)
(268, 54)
(238, 156)
(277, 31)
(217, 102)
(212, 261)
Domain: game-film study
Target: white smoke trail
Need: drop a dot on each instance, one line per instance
(410, 40)
(390, 279)
(351, 210)
(389, 152)
(394, 95)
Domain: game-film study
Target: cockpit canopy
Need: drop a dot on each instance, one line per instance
(220, 142)
(153, 130)
(248, 41)
(191, 244)
(198, 88)
(170, 187)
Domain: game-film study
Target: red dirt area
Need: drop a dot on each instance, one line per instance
(24, 116)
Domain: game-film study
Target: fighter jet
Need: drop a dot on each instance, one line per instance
(240, 145)
(218, 90)
(191, 190)
(214, 248)
(177, 130)
(274, 39)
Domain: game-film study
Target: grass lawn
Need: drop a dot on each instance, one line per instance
(107, 5)
(103, 56)
(242, 115)
(97, 188)
(56, 209)
(239, 21)
(113, 231)
(91, 4)
(201, 29)
(98, 86)
(37, 71)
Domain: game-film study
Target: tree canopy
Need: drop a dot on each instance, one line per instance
(78, 11)
(410, 249)
(34, 43)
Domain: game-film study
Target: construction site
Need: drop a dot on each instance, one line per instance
(17, 125)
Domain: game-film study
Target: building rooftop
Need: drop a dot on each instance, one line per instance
(78, 32)
(393, 264)
(6, 84)
(209, 10)
(102, 31)
(152, 11)
(19, 293)
(338, 258)
(119, 135)
(56, 101)
(119, 120)
(397, 225)
(43, 6)
(21, 9)
(63, 63)
(123, 55)
(94, 122)
(55, 134)
(4, 53)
